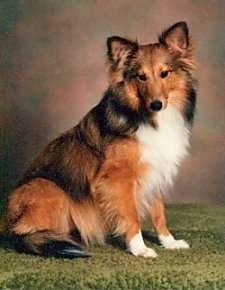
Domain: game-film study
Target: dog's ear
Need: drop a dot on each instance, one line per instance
(119, 50)
(176, 38)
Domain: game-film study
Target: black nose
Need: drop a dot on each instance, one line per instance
(156, 105)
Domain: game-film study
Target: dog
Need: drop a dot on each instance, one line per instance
(115, 167)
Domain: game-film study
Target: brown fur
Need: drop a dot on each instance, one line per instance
(158, 217)
(39, 205)
(115, 186)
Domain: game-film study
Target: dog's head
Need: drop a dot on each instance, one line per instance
(154, 74)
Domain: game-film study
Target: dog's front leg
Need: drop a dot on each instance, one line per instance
(136, 245)
(158, 217)
(115, 195)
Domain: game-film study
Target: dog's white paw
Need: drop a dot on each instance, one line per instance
(176, 244)
(149, 253)
(169, 242)
(144, 252)
(138, 248)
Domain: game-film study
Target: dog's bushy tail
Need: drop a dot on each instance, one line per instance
(47, 243)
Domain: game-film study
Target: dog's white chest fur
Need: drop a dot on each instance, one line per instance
(162, 150)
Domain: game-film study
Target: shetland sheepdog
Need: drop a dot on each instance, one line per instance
(113, 169)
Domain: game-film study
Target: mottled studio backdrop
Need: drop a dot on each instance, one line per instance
(52, 57)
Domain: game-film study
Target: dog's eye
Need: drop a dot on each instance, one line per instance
(164, 74)
(142, 77)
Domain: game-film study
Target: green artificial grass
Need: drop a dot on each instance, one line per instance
(111, 267)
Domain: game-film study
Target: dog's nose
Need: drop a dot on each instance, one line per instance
(156, 105)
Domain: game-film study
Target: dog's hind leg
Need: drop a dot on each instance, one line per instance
(39, 220)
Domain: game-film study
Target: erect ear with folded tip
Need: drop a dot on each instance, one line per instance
(119, 50)
(176, 38)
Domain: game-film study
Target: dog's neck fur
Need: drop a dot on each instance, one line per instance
(162, 151)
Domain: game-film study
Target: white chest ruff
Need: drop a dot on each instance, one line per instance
(162, 151)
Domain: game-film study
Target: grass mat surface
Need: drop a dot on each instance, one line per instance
(111, 267)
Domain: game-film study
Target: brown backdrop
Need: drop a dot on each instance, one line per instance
(52, 56)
